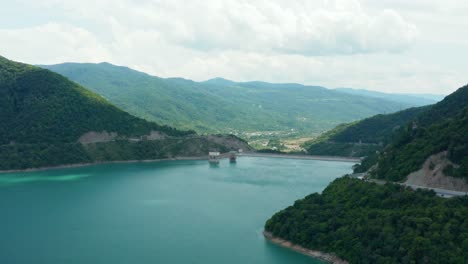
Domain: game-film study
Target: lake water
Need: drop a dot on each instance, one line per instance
(161, 212)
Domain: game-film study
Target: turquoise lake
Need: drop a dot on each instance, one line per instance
(160, 212)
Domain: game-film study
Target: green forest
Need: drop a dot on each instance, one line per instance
(364, 222)
(400, 142)
(44, 114)
(412, 148)
(40, 106)
(364, 137)
(442, 127)
(24, 156)
(222, 106)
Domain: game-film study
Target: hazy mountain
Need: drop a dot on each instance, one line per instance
(413, 99)
(220, 105)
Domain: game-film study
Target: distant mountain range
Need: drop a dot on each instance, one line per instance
(223, 106)
(48, 120)
(413, 99)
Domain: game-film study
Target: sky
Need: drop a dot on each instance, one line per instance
(417, 46)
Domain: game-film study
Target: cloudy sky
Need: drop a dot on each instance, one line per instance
(417, 46)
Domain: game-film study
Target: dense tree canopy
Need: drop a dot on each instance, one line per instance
(442, 127)
(364, 137)
(39, 106)
(364, 222)
(368, 223)
(222, 106)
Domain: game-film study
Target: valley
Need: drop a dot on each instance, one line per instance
(52, 122)
(250, 110)
(233, 132)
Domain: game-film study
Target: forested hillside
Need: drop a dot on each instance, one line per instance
(44, 116)
(220, 105)
(367, 223)
(40, 106)
(363, 137)
(444, 127)
(363, 222)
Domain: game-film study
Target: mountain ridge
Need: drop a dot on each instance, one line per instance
(363, 137)
(223, 106)
(443, 127)
(416, 99)
(44, 117)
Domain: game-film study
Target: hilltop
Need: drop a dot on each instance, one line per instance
(426, 146)
(48, 120)
(413, 99)
(437, 139)
(223, 106)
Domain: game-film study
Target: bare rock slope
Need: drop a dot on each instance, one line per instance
(432, 175)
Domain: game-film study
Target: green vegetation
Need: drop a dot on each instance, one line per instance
(451, 106)
(39, 106)
(24, 156)
(442, 127)
(361, 138)
(402, 141)
(343, 149)
(222, 106)
(416, 144)
(366, 163)
(412, 99)
(367, 223)
(44, 114)
(379, 129)
(275, 144)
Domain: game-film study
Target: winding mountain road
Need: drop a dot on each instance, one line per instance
(440, 192)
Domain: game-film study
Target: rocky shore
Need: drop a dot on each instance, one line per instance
(330, 258)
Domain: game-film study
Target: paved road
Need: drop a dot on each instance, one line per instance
(440, 192)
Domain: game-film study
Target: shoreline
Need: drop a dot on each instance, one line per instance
(78, 165)
(304, 157)
(329, 258)
(223, 156)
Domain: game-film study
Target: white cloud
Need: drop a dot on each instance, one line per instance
(52, 43)
(304, 27)
(364, 44)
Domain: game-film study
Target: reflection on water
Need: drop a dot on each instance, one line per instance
(8, 179)
(213, 165)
